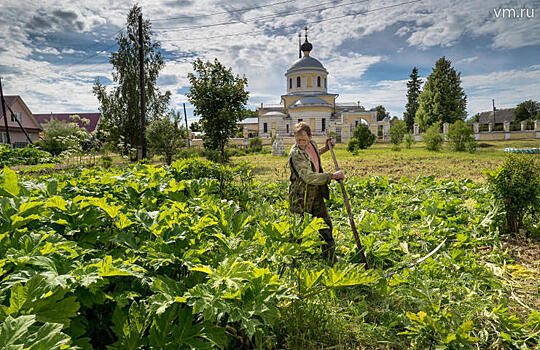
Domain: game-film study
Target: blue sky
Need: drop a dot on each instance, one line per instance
(53, 51)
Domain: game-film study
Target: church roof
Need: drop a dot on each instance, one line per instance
(306, 62)
(310, 101)
(275, 114)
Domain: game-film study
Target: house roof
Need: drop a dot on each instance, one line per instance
(10, 101)
(92, 117)
(501, 115)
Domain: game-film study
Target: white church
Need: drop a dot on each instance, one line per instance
(308, 100)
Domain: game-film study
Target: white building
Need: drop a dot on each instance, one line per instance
(308, 100)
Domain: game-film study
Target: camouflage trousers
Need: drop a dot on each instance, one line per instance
(319, 210)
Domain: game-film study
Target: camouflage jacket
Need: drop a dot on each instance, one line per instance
(306, 184)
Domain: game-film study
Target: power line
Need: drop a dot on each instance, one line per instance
(295, 25)
(225, 12)
(254, 19)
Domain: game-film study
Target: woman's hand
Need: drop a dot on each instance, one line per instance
(338, 175)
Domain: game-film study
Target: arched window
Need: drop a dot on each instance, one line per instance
(318, 81)
(290, 83)
(325, 83)
(297, 81)
(309, 82)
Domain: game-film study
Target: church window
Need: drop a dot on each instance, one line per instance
(287, 128)
(297, 82)
(318, 81)
(325, 83)
(309, 82)
(265, 127)
(323, 124)
(290, 83)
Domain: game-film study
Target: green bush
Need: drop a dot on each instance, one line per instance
(516, 184)
(409, 140)
(397, 132)
(29, 155)
(106, 161)
(165, 138)
(255, 144)
(459, 136)
(362, 139)
(433, 138)
(189, 152)
(59, 136)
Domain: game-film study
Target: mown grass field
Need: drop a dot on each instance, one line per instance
(380, 160)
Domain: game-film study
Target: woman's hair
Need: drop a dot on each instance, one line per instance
(302, 126)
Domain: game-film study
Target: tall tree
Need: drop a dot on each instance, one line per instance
(413, 91)
(443, 99)
(120, 108)
(381, 112)
(219, 98)
(526, 110)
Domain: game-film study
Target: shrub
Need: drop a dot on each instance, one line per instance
(516, 184)
(255, 144)
(397, 132)
(433, 138)
(362, 138)
(189, 152)
(459, 135)
(106, 161)
(409, 140)
(29, 155)
(165, 138)
(59, 136)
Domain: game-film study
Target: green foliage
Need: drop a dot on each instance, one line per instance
(255, 144)
(409, 140)
(459, 136)
(516, 185)
(165, 138)
(29, 155)
(414, 87)
(120, 122)
(381, 112)
(433, 138)
(195, 126)
(59, 136)
(526, 110)
(397, 132)
(219, 98)
(362, 139)
(443, 99)
(196, 255)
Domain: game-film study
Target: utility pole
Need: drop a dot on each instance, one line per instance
(5, 114)
(141, 82)
(187, 129)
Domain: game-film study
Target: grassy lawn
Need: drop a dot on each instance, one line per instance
(380, 160)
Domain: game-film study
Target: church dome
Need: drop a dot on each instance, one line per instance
(306, 62)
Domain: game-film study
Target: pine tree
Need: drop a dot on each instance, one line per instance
(120, 108)
(443, 99)
(413, 90)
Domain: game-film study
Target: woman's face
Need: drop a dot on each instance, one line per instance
(302, 139)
